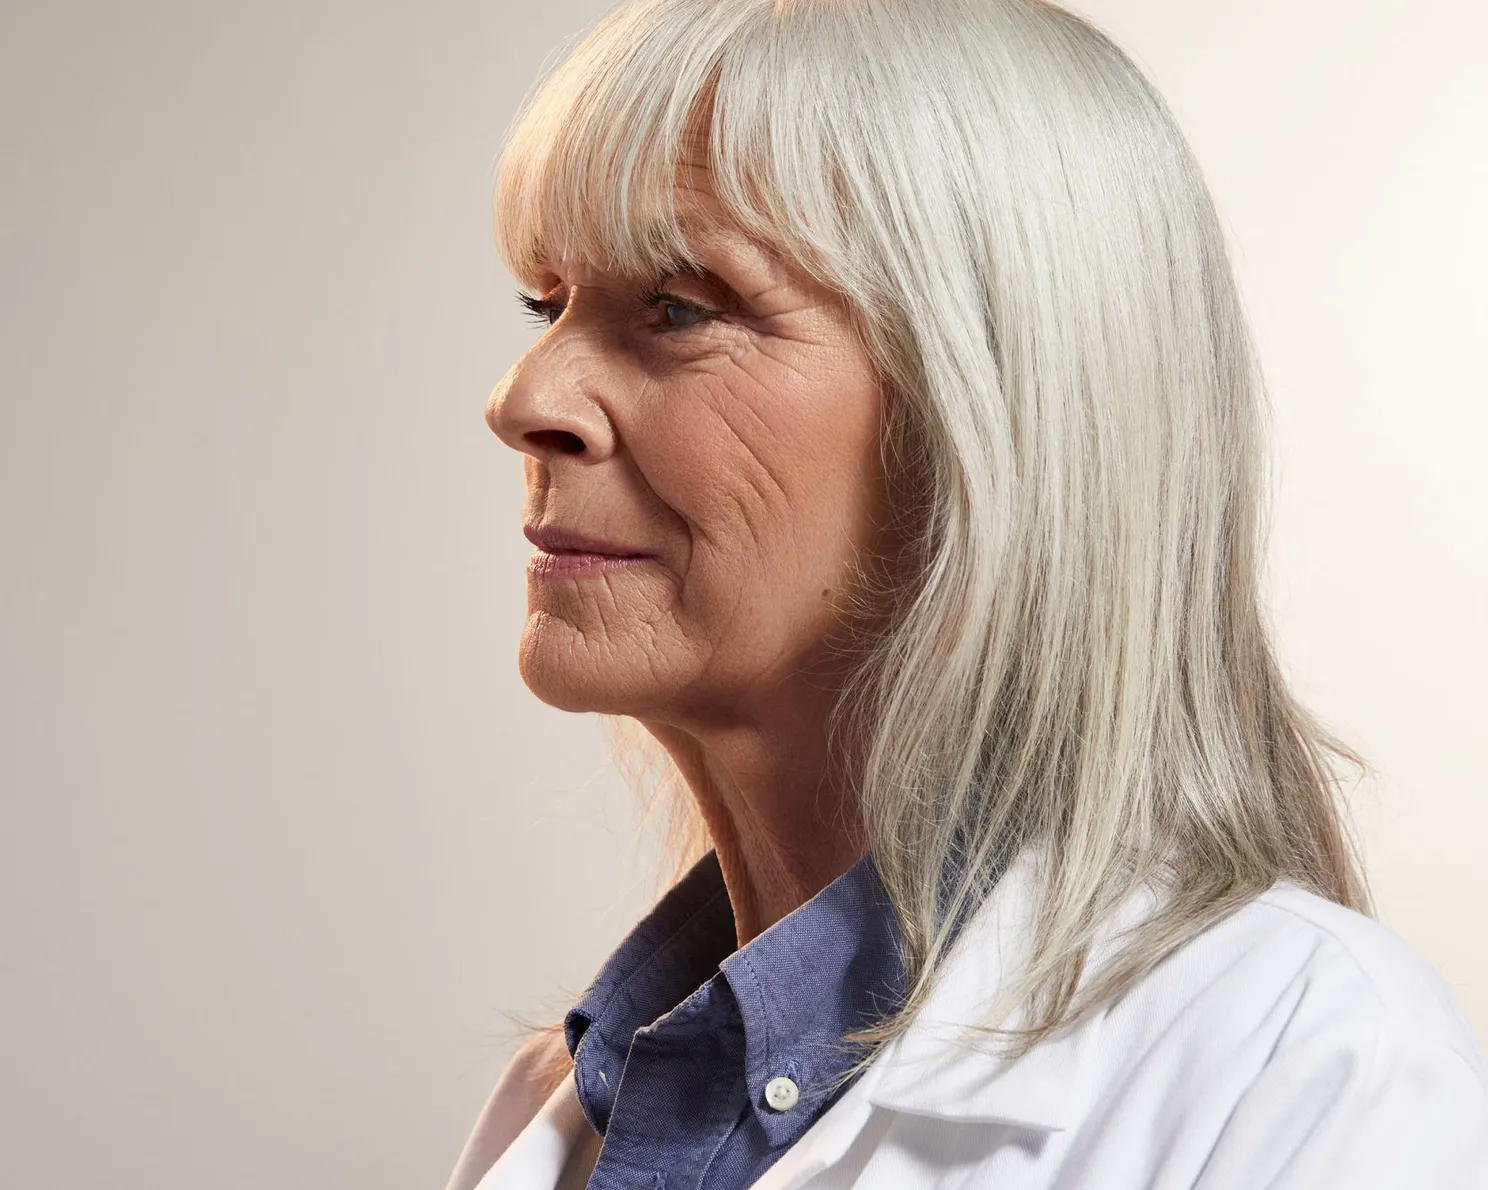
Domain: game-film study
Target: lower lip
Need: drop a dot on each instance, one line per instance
(546, 565)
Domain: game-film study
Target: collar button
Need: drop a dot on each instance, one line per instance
(781, 1094)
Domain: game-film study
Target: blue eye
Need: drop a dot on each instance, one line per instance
(677, 313)
(673, 306)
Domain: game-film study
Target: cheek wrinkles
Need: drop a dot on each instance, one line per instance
(747, 462)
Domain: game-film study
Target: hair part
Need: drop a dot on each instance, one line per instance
(1077, 657)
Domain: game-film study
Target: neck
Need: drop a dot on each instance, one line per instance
(778, 810)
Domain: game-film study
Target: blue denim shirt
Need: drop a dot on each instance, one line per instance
(679, 1035)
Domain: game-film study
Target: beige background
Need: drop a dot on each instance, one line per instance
(284, 835)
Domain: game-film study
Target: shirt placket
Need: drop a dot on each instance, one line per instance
(681, 1095)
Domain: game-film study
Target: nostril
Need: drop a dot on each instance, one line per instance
(563, 441)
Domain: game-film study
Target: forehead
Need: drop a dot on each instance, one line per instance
(716, 249)
(695, 234)
(619, 204)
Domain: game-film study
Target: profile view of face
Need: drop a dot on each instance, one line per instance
(725, 428)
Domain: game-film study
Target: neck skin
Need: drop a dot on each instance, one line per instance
(778, 812)
(780, 809)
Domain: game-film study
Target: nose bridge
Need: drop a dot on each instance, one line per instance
(548, 402)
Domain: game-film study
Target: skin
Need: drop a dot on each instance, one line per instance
(742, 450)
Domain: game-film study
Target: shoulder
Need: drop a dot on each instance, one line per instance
(1292, 1044)
(1284, 961)
(1308, 1044)
(1295, 1043)
(1292, 1008)
(1353, 956)
(1333, 965)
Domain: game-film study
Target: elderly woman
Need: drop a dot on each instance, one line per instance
(893, 457)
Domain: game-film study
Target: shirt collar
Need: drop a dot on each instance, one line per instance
(674, 948)
(830, 966)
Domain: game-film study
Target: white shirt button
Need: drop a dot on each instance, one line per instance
(781, 1093)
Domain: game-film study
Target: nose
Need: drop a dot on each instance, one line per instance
(545, 405)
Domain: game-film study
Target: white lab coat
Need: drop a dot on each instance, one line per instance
(1296, 1045)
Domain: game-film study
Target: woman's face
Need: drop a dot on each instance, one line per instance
(726, 428)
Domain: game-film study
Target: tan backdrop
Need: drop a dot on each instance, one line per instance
(284, 835)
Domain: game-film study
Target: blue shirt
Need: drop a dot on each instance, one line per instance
(677, 1038)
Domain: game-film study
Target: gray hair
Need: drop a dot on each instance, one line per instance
(1079, 659)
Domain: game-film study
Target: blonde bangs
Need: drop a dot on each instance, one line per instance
(591, 167)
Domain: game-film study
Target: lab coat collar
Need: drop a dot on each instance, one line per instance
(935, 1068)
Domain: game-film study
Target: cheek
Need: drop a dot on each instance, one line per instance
(775, 477)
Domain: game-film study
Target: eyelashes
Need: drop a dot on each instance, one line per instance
(537, 309)
(544, 313)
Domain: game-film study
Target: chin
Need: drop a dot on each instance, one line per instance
(572, 678)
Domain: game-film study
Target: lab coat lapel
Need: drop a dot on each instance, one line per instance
(935, 1068)
(535, 1159)
(932, 1070)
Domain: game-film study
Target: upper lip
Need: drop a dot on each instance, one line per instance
(555, 539)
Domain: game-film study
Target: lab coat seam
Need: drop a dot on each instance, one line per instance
(1389, 1010)
(1392, 1017)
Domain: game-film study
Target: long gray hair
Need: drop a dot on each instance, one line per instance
(1078, 659)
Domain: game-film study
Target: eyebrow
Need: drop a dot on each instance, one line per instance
(731, 296)
(702, 233)
(680, 266)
